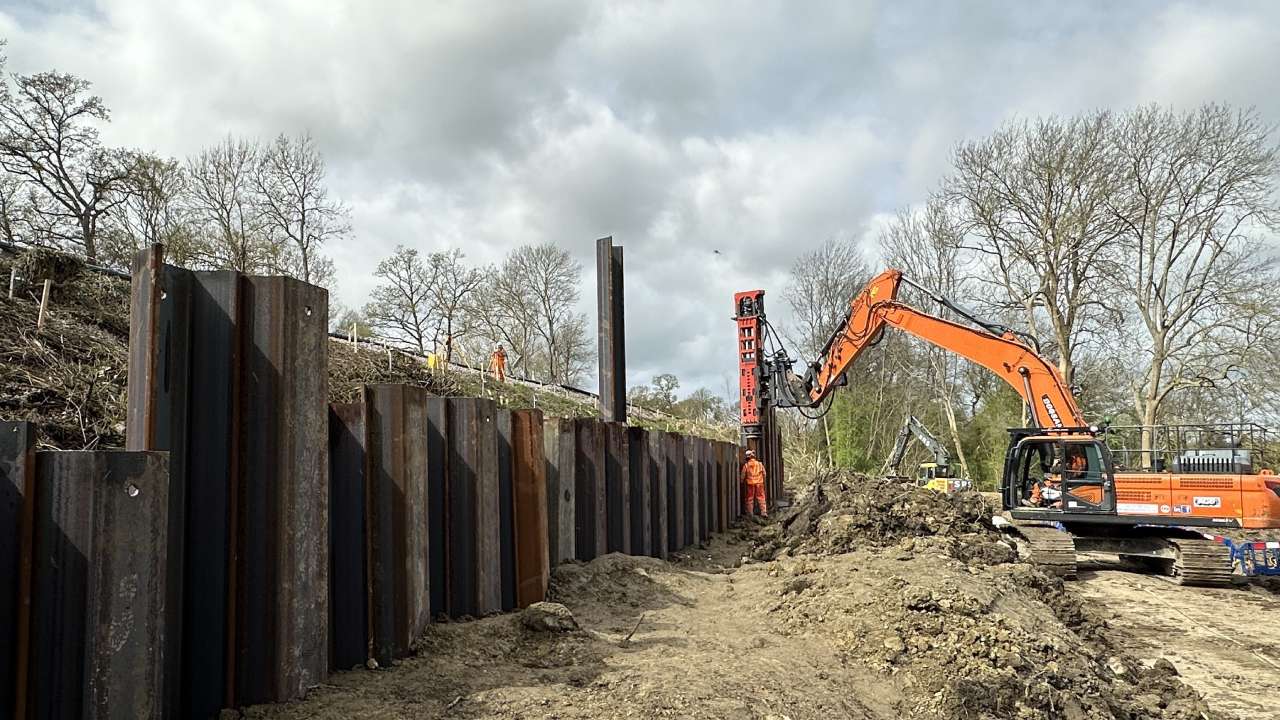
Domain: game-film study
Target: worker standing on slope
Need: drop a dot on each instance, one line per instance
(753, 479)
(498, 363)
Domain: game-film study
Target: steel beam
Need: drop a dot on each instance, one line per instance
(529, 468)
(611, 331)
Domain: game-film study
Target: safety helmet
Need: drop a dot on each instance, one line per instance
(751, 453)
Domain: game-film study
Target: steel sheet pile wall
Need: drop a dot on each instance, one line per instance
(229, 373)
(86, 576)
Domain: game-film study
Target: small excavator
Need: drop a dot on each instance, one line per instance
(1060, 491)
(936, 475)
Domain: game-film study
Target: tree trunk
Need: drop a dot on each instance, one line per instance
(955, 434)
(87, 237)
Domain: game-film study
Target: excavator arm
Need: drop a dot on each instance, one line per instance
(913, 426)
(1033, 377)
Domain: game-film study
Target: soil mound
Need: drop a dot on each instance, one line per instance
(842, 511)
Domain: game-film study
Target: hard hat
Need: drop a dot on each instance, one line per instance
(751, 453)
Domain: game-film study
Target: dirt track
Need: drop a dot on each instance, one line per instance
(1224, 642)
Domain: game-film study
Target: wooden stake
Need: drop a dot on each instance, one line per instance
(44, 305)
(355, 338)
(13, 280)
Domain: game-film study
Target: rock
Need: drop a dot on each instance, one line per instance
(797, 585)
(1164, 667)
(548, 617)
(371, 664)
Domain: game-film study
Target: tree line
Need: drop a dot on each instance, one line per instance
(243, 204)
(264, 207)
(1136, 248)
(438, 303)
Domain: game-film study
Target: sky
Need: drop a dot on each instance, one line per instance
(715, 141)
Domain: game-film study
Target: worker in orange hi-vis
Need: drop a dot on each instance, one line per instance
(498, 364)
(753, 479)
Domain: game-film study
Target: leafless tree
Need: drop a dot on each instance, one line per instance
(822, 284)
(1199, 194)
(923, 245)
(1032, 201)
(547, 279)
(453, 289)
(153, 211)
(294, 205)
(222, 197)
(400, 308)
(49, 139)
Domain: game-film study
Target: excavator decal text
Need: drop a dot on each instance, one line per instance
(1053, 412)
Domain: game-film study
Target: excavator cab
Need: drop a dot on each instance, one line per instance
(1057, 473)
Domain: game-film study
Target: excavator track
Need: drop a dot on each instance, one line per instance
(1047, 547)
(1206, 563)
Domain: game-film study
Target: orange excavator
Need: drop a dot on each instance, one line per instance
(1060, 491)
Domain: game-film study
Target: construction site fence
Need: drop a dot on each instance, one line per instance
(252, 538)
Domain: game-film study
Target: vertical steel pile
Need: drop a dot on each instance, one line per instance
(228, 372)
(657, 461)
(640, 486)
(560, 449)
(617, 465)
(506, 508)
(86, 577)
(611, 331)
(474, 582)
(590, 525)
(529, 475)
(348, 570)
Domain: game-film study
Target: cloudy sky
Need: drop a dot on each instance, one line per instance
(756, 129)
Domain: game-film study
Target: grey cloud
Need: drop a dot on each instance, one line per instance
(680, 128)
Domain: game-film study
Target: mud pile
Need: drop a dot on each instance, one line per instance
(842, 511)
(965, 642)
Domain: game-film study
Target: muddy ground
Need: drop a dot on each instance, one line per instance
(839, 612)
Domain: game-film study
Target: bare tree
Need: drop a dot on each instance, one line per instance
(294, 205)
(48, 138)
(821, 286)
(922, 244)
(1199, 192)
(453, 289)
(1032, 202)
(400, 307)
(222, 196)
(153, 211)
(549, 277)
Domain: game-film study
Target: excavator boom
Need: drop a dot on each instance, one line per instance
(876, 307)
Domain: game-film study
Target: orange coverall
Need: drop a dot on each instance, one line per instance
(753, 479)
(499, 365)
